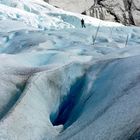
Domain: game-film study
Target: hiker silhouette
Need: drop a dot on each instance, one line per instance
(83, 23)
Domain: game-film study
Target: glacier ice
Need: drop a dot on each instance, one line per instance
(56, 85)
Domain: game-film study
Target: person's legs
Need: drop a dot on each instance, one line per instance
(83, 25)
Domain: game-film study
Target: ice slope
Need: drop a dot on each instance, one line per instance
(56, 85)
(110, 108)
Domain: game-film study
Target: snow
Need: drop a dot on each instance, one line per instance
(57, 84)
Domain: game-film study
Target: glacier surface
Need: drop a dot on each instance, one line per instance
(59, 81)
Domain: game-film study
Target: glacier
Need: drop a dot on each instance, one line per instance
(59, 81)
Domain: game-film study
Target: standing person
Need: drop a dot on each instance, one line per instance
(83, 23)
